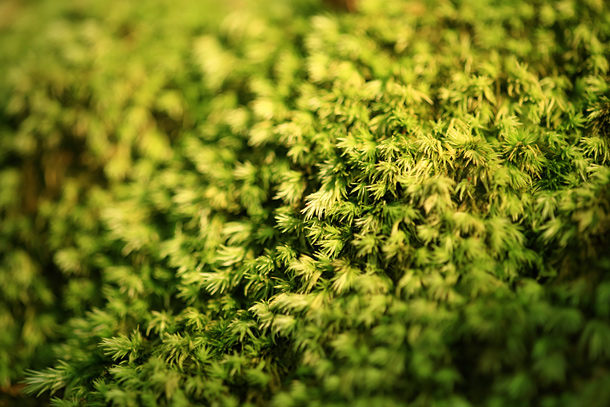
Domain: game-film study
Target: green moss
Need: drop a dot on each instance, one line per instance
(407, 205)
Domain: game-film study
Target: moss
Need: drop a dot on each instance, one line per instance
(284, 205)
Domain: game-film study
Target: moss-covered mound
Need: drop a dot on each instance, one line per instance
(280, 204)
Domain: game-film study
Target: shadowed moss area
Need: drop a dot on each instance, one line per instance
(284, 204)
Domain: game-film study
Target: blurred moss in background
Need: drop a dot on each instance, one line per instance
(80, 82)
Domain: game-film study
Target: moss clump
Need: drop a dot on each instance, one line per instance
(407, 205)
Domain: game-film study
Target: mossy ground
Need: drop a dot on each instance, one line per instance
(282, 204)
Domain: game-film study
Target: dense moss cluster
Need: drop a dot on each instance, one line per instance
(279, 204)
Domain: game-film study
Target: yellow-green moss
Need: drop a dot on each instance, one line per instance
(278, 204)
